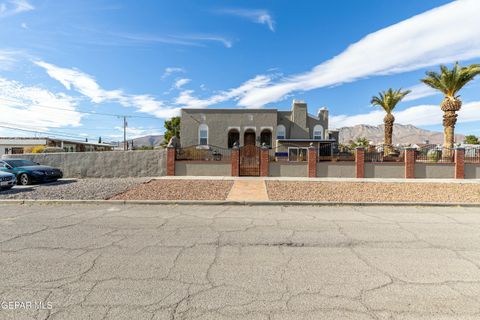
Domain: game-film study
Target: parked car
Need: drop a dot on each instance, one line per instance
(7, 180)
(28, 172)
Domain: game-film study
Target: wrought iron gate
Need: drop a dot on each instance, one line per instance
(250, 161)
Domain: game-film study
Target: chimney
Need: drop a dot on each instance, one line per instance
(323, 114)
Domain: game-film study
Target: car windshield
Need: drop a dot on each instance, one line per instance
(20, 163)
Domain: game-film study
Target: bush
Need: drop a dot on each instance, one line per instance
(36, 149)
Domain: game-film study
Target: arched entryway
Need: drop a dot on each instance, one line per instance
(266, 137)
(233, 136)
(249, 138)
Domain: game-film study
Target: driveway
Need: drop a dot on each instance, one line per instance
(238, 262)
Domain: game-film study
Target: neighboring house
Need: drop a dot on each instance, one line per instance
(19, 145)
(285, 131)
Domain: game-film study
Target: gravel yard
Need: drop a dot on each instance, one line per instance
(179, 190)
(73, 189)
(373, 192)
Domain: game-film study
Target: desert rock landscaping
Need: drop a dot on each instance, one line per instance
(178, 190)
(373, 192)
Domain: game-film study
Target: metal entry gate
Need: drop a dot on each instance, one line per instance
(250, 161)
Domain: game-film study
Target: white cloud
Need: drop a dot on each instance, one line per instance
(421, 41)
(77, 80)
(256, 15)
(421, 115)
(13, 7)
(170, 70)
(7, 59)
(24, 25)
(181, 82)
(187, 100)
(22, 105)
(196, 40)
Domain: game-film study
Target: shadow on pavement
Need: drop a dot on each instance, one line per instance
(29, 188)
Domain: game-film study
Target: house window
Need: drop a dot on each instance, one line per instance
(203, 134)
(297, 154)
(318, 132)
(281, 132)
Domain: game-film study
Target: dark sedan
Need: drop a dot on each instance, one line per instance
(28, 172)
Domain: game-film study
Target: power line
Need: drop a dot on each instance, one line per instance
(44, 132)
(78, 111)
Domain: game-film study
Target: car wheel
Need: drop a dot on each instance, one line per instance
(24, 179)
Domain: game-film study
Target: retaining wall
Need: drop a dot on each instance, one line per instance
(288, 169)
(472, 170)
(111, 164)
(385, 170)
(435, 170)
(202, 168)
(336, 169)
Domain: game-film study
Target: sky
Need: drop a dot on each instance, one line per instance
(74, 68)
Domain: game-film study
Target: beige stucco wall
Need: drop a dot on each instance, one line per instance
(472, 170)
(435, 170)
(108, 164)
(194, 168)
(385, 170)
(288, 169)
(339, 169)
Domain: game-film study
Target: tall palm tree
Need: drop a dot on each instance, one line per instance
(449, 82)
(388, 100)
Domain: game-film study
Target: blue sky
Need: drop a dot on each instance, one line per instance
(147, 59)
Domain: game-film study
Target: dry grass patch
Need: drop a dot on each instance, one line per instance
(373, 192)
(178, 190)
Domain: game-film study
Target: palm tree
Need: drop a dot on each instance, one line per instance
(449, 82)
(388, 100)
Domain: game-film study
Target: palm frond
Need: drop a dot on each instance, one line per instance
(451, 81)
(389, 99)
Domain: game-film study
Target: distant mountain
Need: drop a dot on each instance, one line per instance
(402, 134)
(148, 141)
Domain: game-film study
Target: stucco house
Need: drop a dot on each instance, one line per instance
(283, 131)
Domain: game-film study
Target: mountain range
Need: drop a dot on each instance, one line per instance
(402, 134)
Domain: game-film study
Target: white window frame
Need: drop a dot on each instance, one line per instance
(315, 129)
(284, 131)
(202, 127)
(298, 149)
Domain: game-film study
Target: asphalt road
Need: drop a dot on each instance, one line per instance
(200, 262)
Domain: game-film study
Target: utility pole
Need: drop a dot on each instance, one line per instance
(125, 147)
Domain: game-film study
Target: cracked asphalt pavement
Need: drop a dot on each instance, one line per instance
(238, 262)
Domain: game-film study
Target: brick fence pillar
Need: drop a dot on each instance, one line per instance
(235, 159)
(312, 162)
(170, 161)
(460, 163)
(264, 161)
(410, 163)
(359, 162)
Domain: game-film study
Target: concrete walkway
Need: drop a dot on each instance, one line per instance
(248, 190)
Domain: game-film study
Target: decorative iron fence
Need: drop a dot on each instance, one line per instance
(203, 153)
(384, 153)
(472, 154)
(434, 154)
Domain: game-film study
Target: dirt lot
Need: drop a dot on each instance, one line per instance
(373, 192)
(178, 190)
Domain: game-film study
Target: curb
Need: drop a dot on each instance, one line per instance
(241, 203)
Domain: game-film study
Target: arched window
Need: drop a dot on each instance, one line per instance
(318, 132)
(233, 136)
(203, 134)
(281, 132)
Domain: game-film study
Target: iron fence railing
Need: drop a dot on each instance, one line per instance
(434, 154)
(203, 153)
(472, 154)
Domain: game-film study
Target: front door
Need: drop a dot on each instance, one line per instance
(249, 138)
(250, 161)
